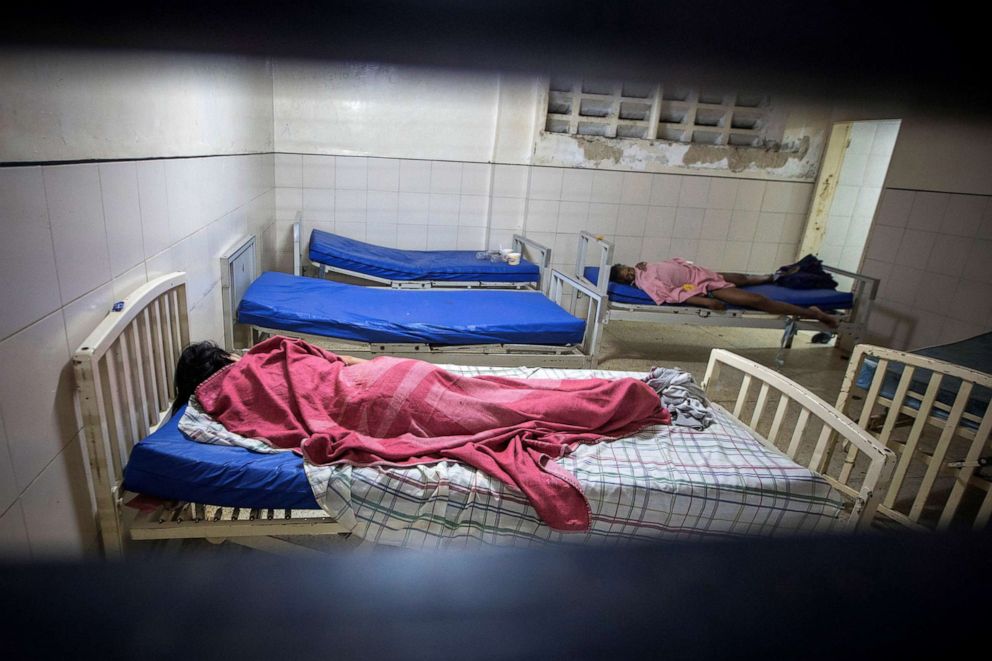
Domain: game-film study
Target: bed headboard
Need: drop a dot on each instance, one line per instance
(124, 377)
(793, 436)
(238, 269)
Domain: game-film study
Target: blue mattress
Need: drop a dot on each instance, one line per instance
(169, 465)
(974, 353)
(378, 314)
(393, 264)
(829, 299)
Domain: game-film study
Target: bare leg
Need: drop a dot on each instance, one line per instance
(736, 296)
(746, 279)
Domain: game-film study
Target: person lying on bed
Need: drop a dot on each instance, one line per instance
(331, 409)
(678, 281)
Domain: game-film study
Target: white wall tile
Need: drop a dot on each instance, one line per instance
(770, 227)
(945, 256)
(288, 170)
(750, 195)
(723, 193)
(884, 243)
(508, 213)
(602, 217)
(895, 207)
(627, 249)
(351, 173)
(793, 228)
(845, 197)
(694, 192)
(607, 187)
(352, 229)
(977, 261)
(573, 217)
(763, 258)
(716, 224)
(444, 209)
(36, 400)
(57, 508)
(411, 237)
(318, 204)
(963, 215)
(86, 312)
(382, 206)
(867, 201)
(349, 206)
(914, 250)
(852, 171)
(743, 225)
(886, 133)
(78, 229)
(471, 238)
(876, 170)
(289, 201)
(736, 256)
(22, 195)
(122, 213)
(446, 177)
(384, 174)
(636, 188)
(413, 208)
(8, 484)
(631, 220)
(473, 211)
(684, 248)
(154, 204)
(442, 237)
(903, 284)
(415, 176)
(564, 250)
(656, 248)
(665, 189)
(545, 183)
(542, 216)
(510, 180)
(710, 253)
(475, 178)
(318, 171)
(787, 255)
(14, 535)
(660, 221)
(576, 185)
(928, 211)
(688, 223)
(29, 286)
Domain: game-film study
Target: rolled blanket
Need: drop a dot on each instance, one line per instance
(681, 396)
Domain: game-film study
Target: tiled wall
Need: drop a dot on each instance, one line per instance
(723, 223)
(859, 186)
(932, 252)
(75, 239)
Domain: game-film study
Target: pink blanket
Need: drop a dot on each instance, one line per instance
(402, 412)
(676, 280)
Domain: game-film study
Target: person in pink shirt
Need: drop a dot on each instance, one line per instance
(678, 281)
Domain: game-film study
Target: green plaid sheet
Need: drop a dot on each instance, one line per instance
(666, 482)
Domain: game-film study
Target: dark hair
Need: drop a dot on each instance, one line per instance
(196, 364)
(615, 272)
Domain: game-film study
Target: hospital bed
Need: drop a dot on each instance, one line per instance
(679, 484)
(628, 303)
(423, 269)
(488, 326)
(932, 407)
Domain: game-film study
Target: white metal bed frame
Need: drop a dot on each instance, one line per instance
(238, 271)
(882, 415)
(537, 253)
(124, 373)
(852, 327)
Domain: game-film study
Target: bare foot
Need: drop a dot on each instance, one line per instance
(827, 320)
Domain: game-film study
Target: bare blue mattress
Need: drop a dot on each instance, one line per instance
(169, 465)
(395, 264)
(280, 301)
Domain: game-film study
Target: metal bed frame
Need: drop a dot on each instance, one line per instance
(958, 452)
(540, 255)
(239, 268)
(124, 371)
(852, 328)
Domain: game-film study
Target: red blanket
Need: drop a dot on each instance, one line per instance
(402, 412)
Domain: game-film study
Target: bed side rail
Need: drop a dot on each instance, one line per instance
(864, 289)
(927, 410)
(558, 286)
(603, 258)
(802, 412)
(124, 377)
(537, 253)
